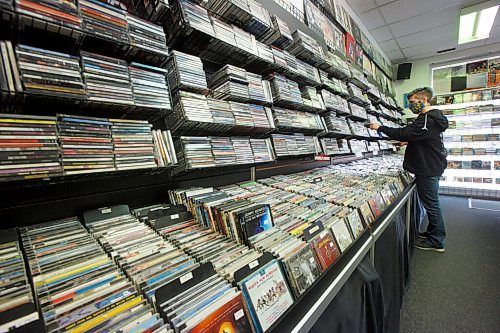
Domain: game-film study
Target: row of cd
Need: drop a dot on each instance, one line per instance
(98, 19)
(201, 259)
(89, 77)
(42, 146)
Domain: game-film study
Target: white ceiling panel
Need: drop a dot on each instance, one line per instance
(361, 6)
(389, 46)
(382, 34)
(433, 35)
(372, 19)
(426, 21)
(408, 30)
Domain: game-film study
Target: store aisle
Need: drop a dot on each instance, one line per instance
(458, 291)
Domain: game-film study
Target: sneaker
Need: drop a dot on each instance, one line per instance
(424, 245)
(423, 235)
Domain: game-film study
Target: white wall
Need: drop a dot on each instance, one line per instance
(421, 69)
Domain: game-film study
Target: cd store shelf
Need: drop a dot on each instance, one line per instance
(31, 29)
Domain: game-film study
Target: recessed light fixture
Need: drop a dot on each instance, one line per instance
(476, 21)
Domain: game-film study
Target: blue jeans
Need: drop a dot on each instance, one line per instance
(428, 192)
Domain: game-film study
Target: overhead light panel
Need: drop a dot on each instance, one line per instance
(476, 22)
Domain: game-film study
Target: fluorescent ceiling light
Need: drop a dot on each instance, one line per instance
(476, 22)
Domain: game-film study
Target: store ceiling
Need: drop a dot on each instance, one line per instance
(408, 30)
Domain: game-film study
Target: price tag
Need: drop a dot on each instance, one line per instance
(105, 210)
(186, 278)
(313, 230)
(238, 314)
(311, 260)
(331, 244)
(359, 154)
(253, 264)
(174, 216)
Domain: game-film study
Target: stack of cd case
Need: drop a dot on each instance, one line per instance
(336, 125)
(311, 99)
(185, 72)
(260, 24)
(85, 144)
(285, 92)
(28, 147)
(335, 103)
(294, 144)
(77, 286)
(132, 144)
(63, 13)
(194, 152)
(147, 36)
(306, 48)
(50, 73)
(143, 255)
(149, 86)
(356, 95)
(230, 83)
(164, 148)
(223, 151)
(231, 9)
(358, 112)
(281, 35)
(358, 128)
(18, 312)
(191, 20)
(299, 121)
(107, 79)
(10, 81)
(104, 21)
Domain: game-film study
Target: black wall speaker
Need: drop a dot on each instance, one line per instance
(404, 71)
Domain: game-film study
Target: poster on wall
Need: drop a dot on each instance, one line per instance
(329, 6)
(339, 41)
(477, 74)
(494, 72)
(319, 23)
(356, 32)
(350, 48)
(458, 78)
(441, 80)
(359, 55)
(367, 45)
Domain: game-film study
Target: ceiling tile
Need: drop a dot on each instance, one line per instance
(433, 35)
(361, 6)
(426, 21)
(372, 19)
(404, 9)
(428, 48)
(395, 55)
(383, 2)
(389, 46)
(381, 34)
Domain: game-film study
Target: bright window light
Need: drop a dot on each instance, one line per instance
(476, 22)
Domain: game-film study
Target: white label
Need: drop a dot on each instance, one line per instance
(311, 260)
(253, 264)
(375, 152)
(393, 148)
(156, 208)
(105, 210)
(174, 216)
(238, 314)
(331, 244)
(186, 277)
(359, 154)
(313, 230)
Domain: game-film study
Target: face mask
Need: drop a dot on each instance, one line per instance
(417, 107)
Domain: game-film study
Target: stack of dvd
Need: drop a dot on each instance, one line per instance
(230, 83)
(186, 72)
(242, 114)
(221, 112)
(145, 256)
(260, 23)
(243, 150)
(259, 116)
(339, 68)
(231, 9)
(279, 57)
(284, 90)
(265, 52)
(245, 40)
(357, 95)
(194, 152)
(196, 17)
(193, 107)
(146, 35)
(306, 48)
(281, 36)
(105, 21)
(224, 31)
(223, 151)
(262, 150)
(296, 119)
(78, 286)
(132, 144)
(63, 13)
(295, 144)
(358, 128)
(336, 124)
(28, 147)
(9, 74)
(309, 72)
(17, 310)
(358, 112)
(359, 79)
(335, 103)
(107, 79)
(291, 63)
(164, 148)
(50, 73)
(330, 146)
(311, 98)
(86, 144)
(256, 92)
(149, 86)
